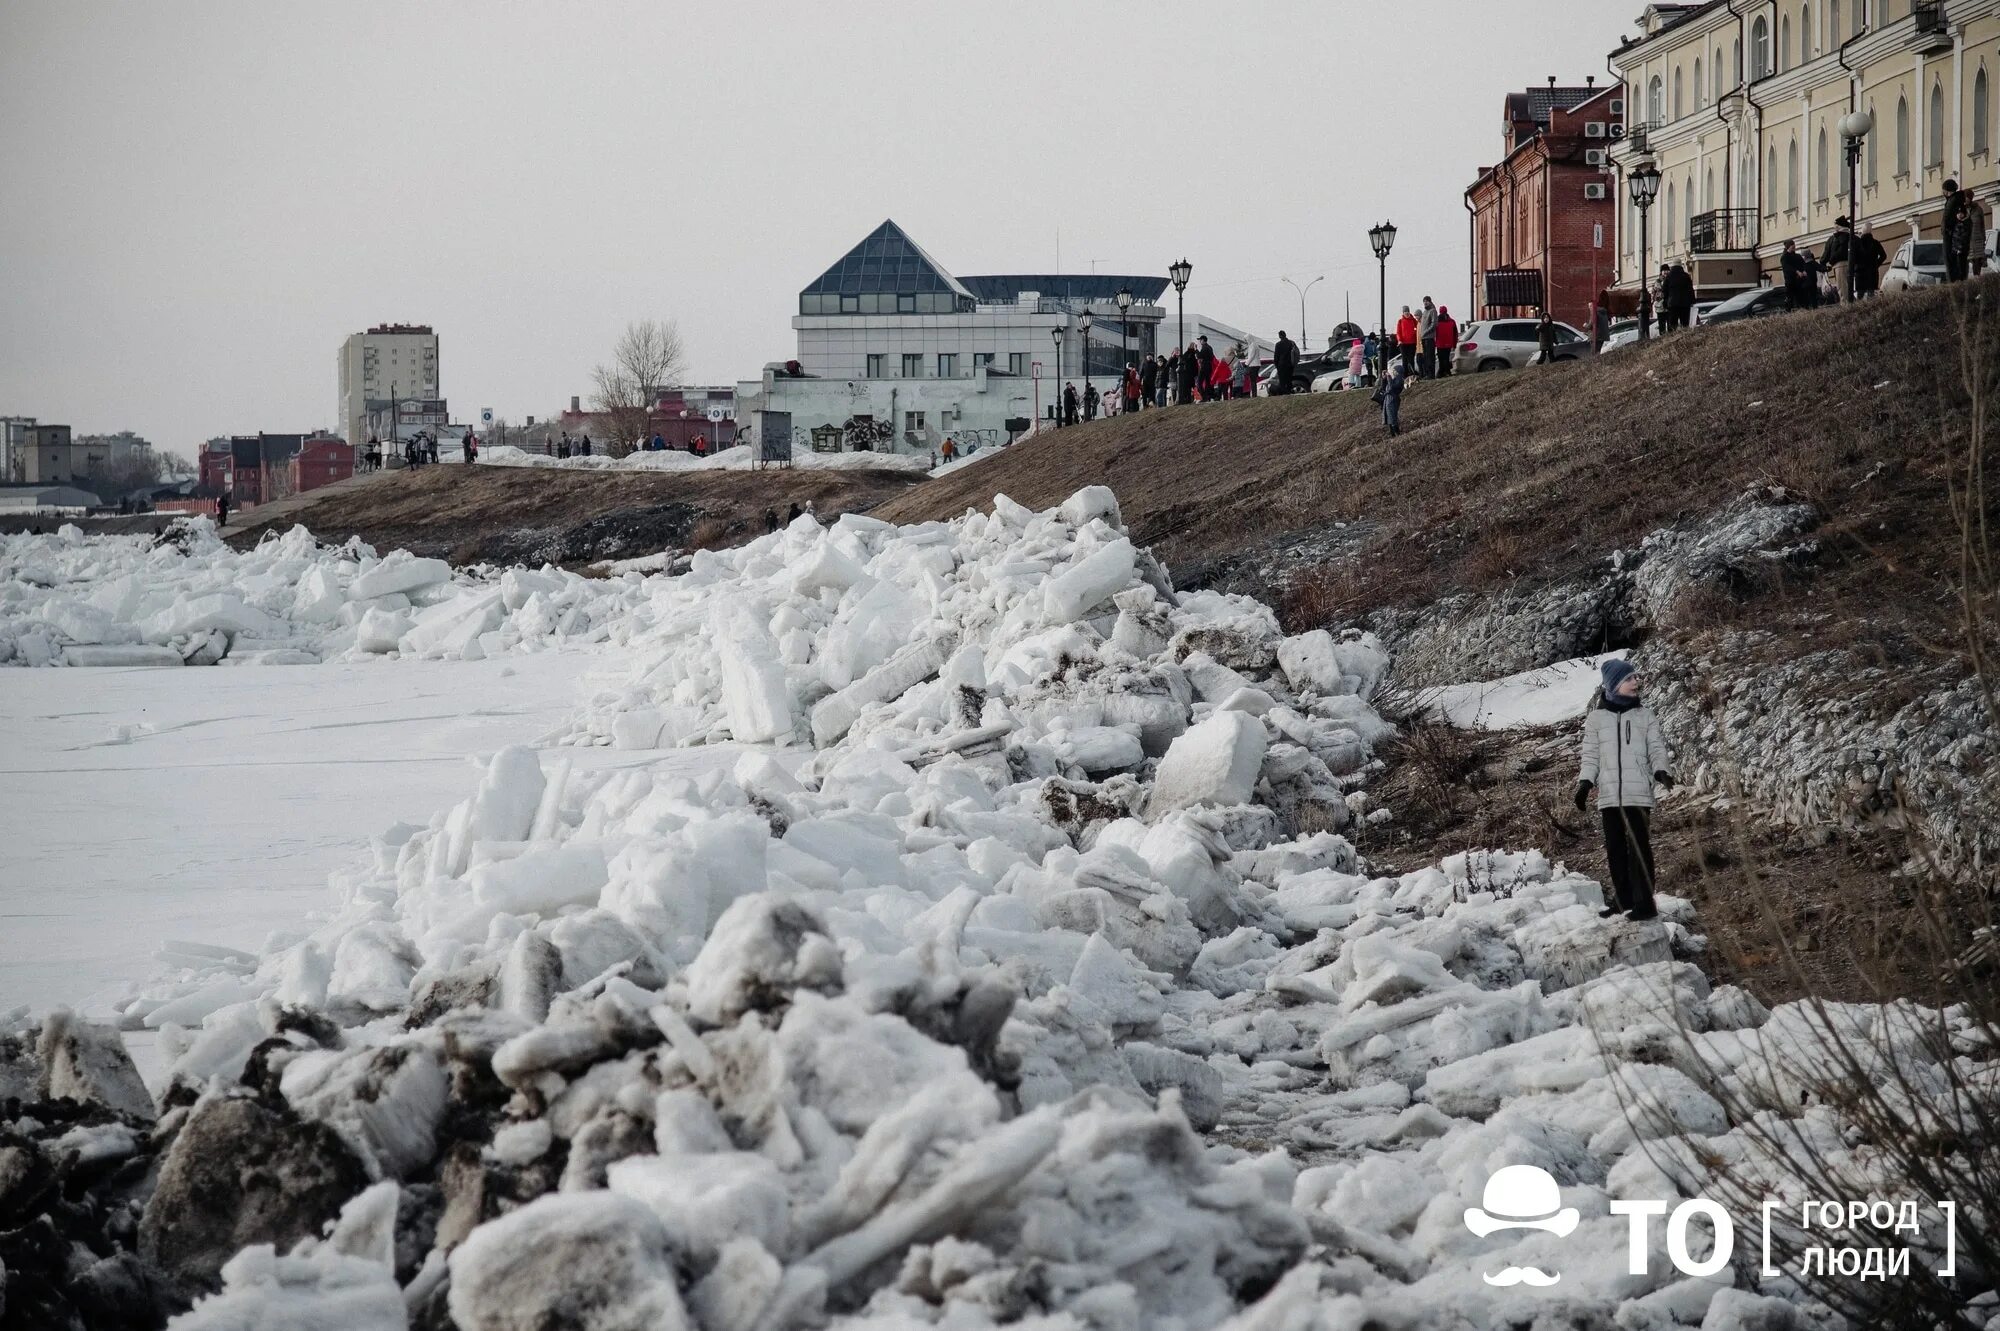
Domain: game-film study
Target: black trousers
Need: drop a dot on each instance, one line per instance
(1628, 845)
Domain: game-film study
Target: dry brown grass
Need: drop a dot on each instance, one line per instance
(468, 514)
(1522, 477)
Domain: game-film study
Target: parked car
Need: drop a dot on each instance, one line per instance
(1702, 309)
(1622, 333)
(1511, 344)
(1917, 263)
(1756, 303)
(1304, 374)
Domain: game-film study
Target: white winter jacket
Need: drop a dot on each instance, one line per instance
(1621, 751)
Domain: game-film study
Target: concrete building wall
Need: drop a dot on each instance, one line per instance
(377, 365)
(900, 416)
(1811, 62)
(939, 346)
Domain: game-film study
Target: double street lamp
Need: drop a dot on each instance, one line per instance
(1644, 182)
(1381, 239)
(1302, 303)
(1854, 127)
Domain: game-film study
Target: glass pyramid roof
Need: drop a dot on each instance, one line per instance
(887, 261)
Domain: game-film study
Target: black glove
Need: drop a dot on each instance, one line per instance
(1583, 789)
(1665, 779)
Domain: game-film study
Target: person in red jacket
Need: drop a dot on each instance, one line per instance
(1218, 380)
(1447, 340)
(1131, 391)
(1406, 340)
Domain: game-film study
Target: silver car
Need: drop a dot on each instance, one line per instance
(1511, 344)
(1918, 263)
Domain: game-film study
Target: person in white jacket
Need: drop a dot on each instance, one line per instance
(1624, 756)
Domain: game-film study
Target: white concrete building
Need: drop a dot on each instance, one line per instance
(384, 364)
(894, 352)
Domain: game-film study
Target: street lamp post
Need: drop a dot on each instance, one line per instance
(1303, 339)
(1854, 127)
(1180, 272)
(1057, 335)
(1644, 183)
(1382, 239)
(1124, 299)
(1083, 348)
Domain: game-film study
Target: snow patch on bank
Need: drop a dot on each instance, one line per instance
(1545, 697)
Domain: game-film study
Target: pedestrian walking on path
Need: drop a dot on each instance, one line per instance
(1390, 394)
(1285, 356)
(1624, 756)
(1956, 229)
(1406, 340)
(1069, 404)
(1447, 341)
(1678, 297)
(1869, 256)
(1545, 340)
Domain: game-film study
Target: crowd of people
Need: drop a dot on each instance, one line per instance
(1180, 377)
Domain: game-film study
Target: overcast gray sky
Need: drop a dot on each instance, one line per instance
(202, 200)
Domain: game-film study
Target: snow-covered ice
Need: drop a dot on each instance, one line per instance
(1545, 697)
(729, 459)
(1042, 989)
(147, 807)
(188, 599)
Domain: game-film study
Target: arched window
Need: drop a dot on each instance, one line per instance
(1902, 136)
(1667, 231)
(1982, 114)
(1872, 140)
(1771, 181)
(1833, 33)
(1792, 176)
(1934, 155)
(1736, 59)
(1821, 189)
(1708, 189)
(1680, 105)
(1715, 75)
(1805, 33)
(1784, 43)
(1656, 101)
(1699, 90)
(1760, 49)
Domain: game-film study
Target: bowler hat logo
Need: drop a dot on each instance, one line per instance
(1521, 1197)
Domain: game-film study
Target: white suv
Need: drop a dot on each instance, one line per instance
(1511, 344)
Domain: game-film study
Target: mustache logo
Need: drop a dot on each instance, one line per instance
(1522, 1275)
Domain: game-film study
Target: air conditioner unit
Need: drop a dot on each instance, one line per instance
(1617, 106)
(1593, 129)
(1593, 156)
(1593, 191)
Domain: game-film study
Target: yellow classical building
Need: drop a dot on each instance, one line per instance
(1738, 103)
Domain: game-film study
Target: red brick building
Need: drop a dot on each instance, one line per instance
(1544, 217)
(321, 461)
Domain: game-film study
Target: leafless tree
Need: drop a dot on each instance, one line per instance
(649, 357)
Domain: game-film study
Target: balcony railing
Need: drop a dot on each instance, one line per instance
(1636, 135)
(1722, 230)
(1929, 15)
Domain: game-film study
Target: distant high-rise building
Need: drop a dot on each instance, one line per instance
(384, 364)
